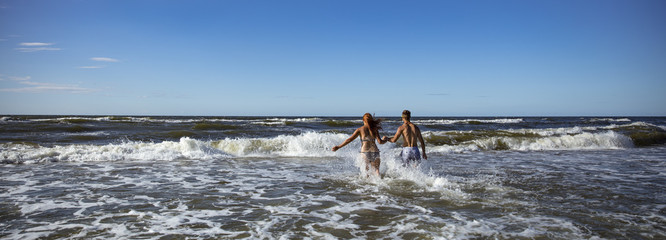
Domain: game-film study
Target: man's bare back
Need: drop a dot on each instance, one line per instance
(412, 137)
(410, 133)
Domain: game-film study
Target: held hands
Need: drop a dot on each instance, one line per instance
(385, 139)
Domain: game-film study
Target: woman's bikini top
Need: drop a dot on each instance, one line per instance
(367, 139)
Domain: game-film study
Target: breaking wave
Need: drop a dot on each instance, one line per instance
(528, 142)
(318, 144)
(470, 121)
(186, 148)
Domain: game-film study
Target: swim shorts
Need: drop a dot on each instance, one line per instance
(410, 154)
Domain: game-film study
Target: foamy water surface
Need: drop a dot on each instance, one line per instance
(504, 178)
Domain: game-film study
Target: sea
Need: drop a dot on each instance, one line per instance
(203, 177)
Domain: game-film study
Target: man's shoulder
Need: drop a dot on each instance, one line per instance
(414, 127)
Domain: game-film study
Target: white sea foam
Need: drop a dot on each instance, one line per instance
(294, 186)
(578, 130)
(310, 144)
(138, 119)
(553, 131)
(509, 226)
(560, 139)
(268, 199)
(467, 121)
(294, 119)
(634, 124)
(186, 148)
(610, 120)
(283, 121)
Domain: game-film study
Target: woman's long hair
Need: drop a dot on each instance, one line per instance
(375, 124)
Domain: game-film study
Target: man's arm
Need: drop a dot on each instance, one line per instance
(381, 140)
(397, 134)
(420, 137)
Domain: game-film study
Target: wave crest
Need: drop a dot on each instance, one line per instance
(186, 148)
(580, 141)
(470, 121)
(318, 144)
(309, 144)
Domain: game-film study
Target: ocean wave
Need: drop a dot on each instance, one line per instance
(470, 121)
(610, 120)
(343, 123)
(305, 145)
(122, 119)
(507, 140)
(642, 133)
(318, 144)
(574, 138)
(213, 126)
(633, 125)
(284, 121)
(308, 144)
(186, 148)
(294, 119)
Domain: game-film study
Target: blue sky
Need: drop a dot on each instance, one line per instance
(333, 58)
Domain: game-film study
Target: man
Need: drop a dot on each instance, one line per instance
(410, 133)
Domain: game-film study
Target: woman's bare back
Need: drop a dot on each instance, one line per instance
(367, 141)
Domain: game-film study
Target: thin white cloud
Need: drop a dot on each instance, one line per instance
(104, 59)
(36, 47)
(48, 88)
(35, 44)
(20, 79)
(39, 87)
(91, 67)
(100, 59)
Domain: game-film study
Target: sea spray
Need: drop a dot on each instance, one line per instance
(572, 139)
(186, 148)
(543, 178)
(308, 144)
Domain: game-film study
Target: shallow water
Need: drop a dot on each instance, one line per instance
(564, 195)
(276, 185)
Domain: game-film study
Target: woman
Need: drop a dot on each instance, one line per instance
(368, 132)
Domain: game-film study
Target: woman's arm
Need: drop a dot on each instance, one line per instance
(350, 139)
(379, 139)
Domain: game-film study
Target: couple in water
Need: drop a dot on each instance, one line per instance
(370, 131)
